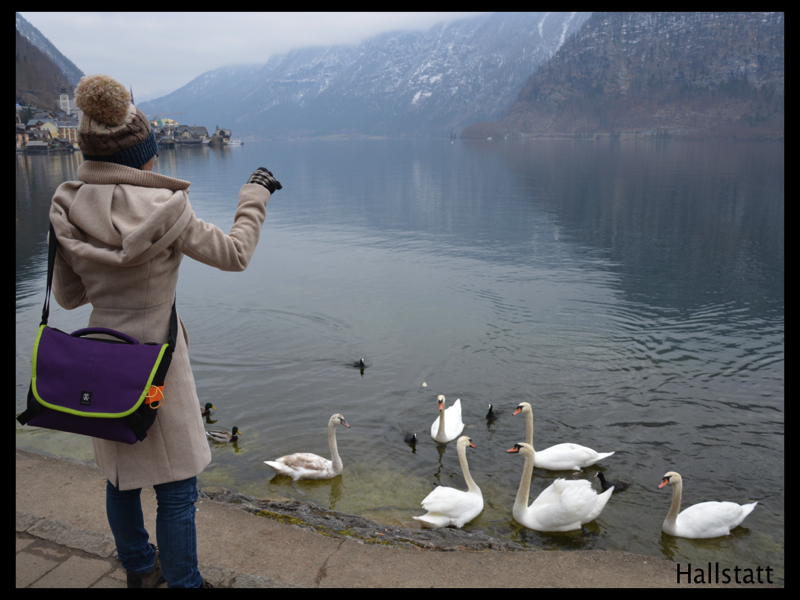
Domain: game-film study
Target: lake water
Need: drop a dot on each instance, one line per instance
(632, 292)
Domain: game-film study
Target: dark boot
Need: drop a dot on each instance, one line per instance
(149, 580)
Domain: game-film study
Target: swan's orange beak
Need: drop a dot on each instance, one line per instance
(664, 482)
(516, 412)
(471, 445)
(441, 405)
(513, 450)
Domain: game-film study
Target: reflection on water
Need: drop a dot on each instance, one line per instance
(632, 292)
(37, 178)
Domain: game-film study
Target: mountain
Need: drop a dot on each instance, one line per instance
(38, 79)
(400, 83)
(72, 73)
(664, 74)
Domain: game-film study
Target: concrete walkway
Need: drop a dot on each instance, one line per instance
(63, 540)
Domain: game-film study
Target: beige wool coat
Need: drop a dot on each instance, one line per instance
(122, 234)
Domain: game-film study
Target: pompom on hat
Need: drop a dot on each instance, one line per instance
(111, 128)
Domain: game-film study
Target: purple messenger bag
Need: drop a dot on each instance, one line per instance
(107, 388)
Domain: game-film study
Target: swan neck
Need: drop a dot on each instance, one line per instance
(462, 458)
(521, 502)
(440, 433)
(337, 462)
(529, 427)
(675, 507)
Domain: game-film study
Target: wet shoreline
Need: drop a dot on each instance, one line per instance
(313, 517)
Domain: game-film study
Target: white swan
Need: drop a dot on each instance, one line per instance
(449, 506)
(561, 457)
(305, 465)
(704, 520)
(443, 429)
(564, 506)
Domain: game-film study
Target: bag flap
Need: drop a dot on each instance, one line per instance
(91, 377)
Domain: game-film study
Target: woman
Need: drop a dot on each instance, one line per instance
(122, 233)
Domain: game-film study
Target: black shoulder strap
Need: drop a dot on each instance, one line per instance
(51, 261)
(173, 325)
(33, 408)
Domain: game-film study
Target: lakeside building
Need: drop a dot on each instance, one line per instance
(53, 130)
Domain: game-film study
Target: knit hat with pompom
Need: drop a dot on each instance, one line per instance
(111, 128)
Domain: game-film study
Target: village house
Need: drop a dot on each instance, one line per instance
(47, 124)
(221, 136)
(68, 131)
(190, 135)
(39, 135)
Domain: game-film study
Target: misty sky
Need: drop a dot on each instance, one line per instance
(157, 53)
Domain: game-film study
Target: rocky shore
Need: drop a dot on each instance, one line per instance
(331, 523)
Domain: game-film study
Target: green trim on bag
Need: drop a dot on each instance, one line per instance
(87, 413)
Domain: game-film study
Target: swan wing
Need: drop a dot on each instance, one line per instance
(435, 427)
(303, 465)
(575, 501)
(454, 410)
(711, 519)
(304, 460)
(445, 500)
(599, 505)
(434, 520)
(550, 495)
(451, 505)
(453, 424)
(567, 457)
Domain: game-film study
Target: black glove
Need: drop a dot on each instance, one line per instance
(264, 178)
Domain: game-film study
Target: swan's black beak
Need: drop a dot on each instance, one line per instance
(343, 422)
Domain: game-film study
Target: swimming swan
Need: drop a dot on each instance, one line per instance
(561, 457)
(704, 520)
(305, 465)
(449, 506)
(564, 506)
(443, 429)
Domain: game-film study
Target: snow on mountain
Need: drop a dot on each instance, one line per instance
(398, 83)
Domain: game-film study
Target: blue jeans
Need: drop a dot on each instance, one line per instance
(175, 531)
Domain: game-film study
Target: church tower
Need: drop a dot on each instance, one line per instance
(64, 100)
